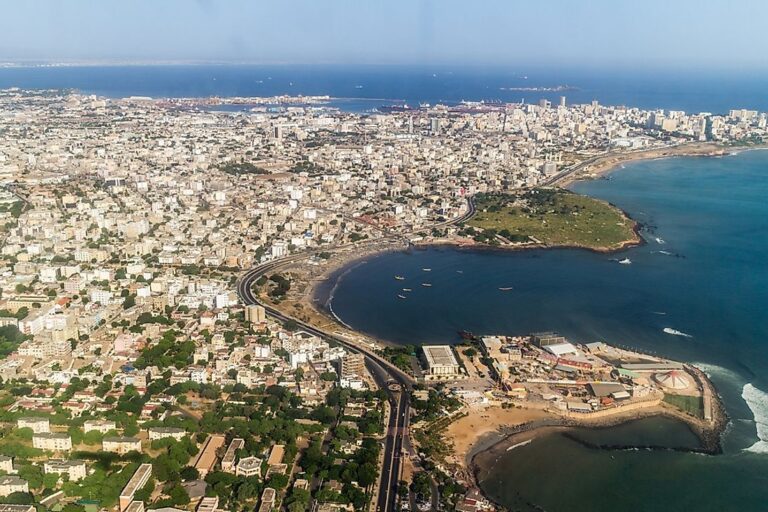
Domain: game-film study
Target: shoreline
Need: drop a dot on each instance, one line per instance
(609, 162)
(604, 164)
(491, 446)
(320, 288)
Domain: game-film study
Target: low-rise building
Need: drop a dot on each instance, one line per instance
(228, 461)
(38, 425)
(10, 484)
(165, 432)
(6, 464)
(137, 481)
(74, 469)
(441, 362)
(121, 445)
(52, 441)
(267, 500)
(248, 466)
(102, 426)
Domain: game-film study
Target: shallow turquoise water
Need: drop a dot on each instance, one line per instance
(712, 216)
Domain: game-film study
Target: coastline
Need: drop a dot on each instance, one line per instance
(604, 164)
(609, 162)
(485, 440)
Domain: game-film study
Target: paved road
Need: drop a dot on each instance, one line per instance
(382, 370)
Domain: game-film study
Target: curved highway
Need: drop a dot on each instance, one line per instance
(383, 372)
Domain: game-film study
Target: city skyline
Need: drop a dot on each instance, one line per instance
(595, 34)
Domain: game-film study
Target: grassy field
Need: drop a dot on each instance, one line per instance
(692, 405)
(551, 217)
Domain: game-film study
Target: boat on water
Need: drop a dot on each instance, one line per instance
(518, 445)
(505, 288)
(401, 296)
(459, 271)
(675, 332)
(400, 278)
(426, 284)
(467, 335)
(625, 261)
(427, 269)
(407, 290)
(660, 241)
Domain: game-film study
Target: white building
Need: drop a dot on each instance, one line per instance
(38, 425)
(441, 362)
(74, 469)
(52, 441)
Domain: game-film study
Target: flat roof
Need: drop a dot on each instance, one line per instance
(138, 480)
(7, 507)
(601, 389)
(276, 455)
(439, 355)
(207, 457)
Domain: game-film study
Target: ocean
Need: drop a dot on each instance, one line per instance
(702, 272)
(705, 276)
(366, 87)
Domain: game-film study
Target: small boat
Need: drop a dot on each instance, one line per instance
(660, 241)
(459, 271)
(466, 335)
(427, 285)
(518, 445)
(401, 296)
(675, 332)
(400, 278)
(625, 261)
(505, 288)
(427, 269)
(407, 290)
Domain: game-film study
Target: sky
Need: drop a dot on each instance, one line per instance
(628, 33)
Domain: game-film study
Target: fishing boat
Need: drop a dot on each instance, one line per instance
(505, 288)
(401, 296)
(625, 261)
(407, 290)
(426, 284)
(400, 278)
(427, 269)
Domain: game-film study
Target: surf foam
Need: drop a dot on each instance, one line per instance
(757, 401)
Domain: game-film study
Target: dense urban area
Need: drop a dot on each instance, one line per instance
(139, 372)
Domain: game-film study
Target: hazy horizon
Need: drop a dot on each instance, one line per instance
(661, 35)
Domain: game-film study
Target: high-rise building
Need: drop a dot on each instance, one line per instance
(434, 126)
(255, 314)
(562, 101)
(352, 365)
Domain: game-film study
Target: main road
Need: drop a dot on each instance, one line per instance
(397, 383)
(390, 378)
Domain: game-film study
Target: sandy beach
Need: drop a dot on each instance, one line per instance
(311, 297)
(603, 164)
(484, 427)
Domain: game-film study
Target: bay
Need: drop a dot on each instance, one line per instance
(702, 272)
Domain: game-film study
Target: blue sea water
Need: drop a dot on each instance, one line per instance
(710, 216)
(376, 85)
